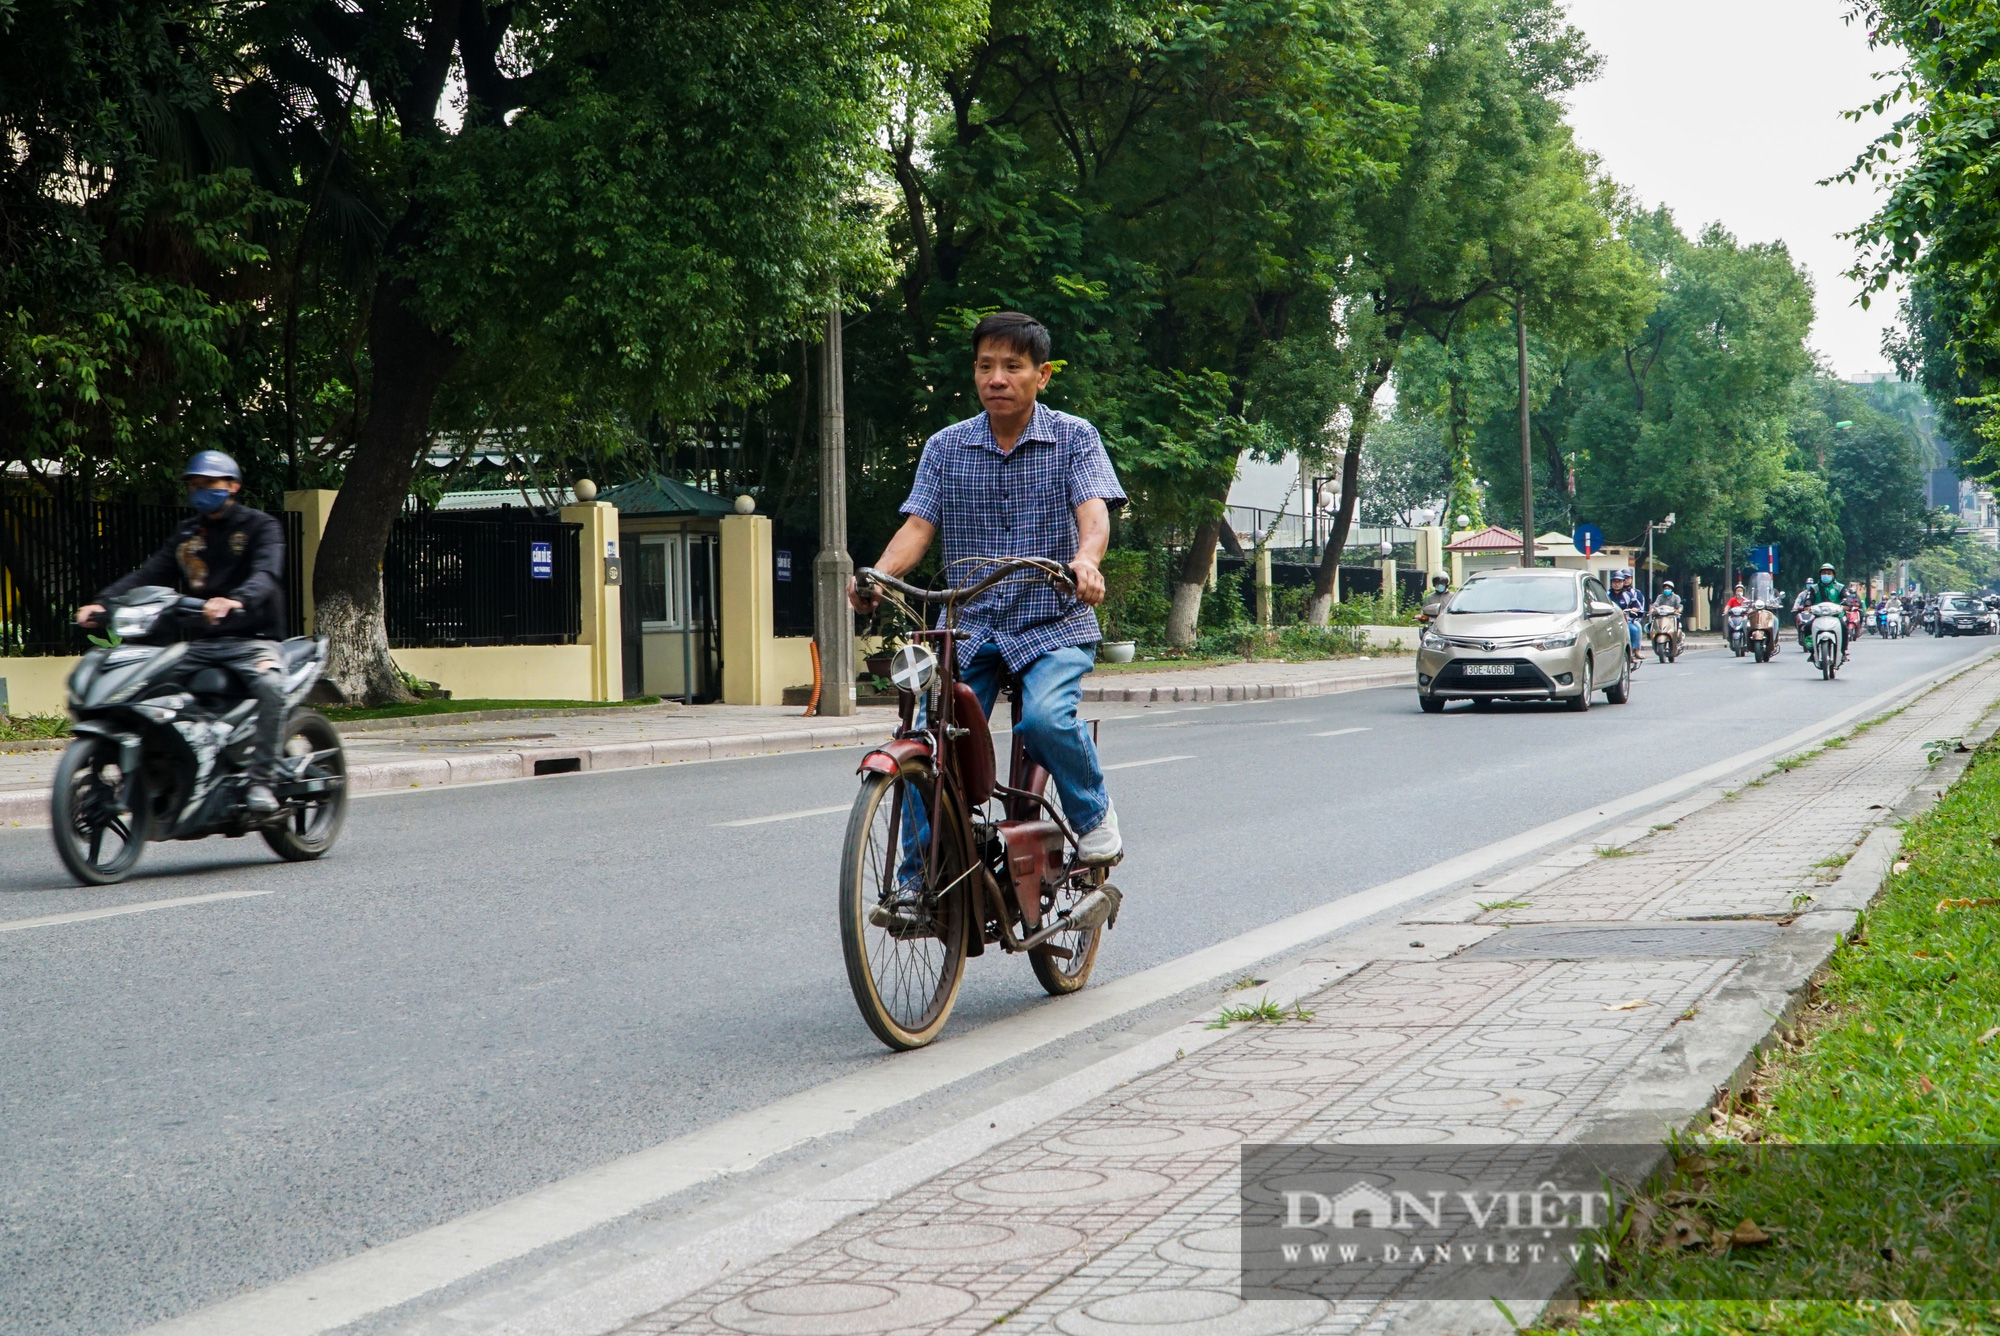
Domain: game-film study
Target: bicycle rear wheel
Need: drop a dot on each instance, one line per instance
(903, 927)
(1063, 963)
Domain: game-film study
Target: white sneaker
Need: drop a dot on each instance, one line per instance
(1101, 847)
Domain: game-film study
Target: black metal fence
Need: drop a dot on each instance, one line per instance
(490, 577)
(56, 553)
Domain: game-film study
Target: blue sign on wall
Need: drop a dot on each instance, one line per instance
(1589, 539)
(541, 561)
(785, 567)
(1765, 558)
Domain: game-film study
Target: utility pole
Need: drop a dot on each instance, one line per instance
(1527, 457)
(833, 620)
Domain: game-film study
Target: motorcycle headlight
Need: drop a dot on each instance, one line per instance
(134, 621)
(1432, 640)
(1563, 641)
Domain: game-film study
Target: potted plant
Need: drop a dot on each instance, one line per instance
(1124, 572)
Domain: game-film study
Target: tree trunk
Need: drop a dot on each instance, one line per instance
(1328, 574)
(1184, 614)
(1527, 437)
(410, 362)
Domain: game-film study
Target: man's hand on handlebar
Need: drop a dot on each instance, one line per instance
(217, 608)
(863, 598)
(1089, 581)
(89, 614)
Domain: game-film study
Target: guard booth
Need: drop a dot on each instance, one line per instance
(670, 537)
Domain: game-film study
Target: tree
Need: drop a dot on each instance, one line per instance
(1486, 78)
(1406, 467)
(132, 237)
(595, 202)
(1169, 187)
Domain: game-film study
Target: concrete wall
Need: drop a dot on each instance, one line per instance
(35, 686)
(603, 626)
(507, 672)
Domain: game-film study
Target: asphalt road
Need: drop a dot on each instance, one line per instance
(488, 988)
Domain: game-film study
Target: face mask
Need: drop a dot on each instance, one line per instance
(208, 500)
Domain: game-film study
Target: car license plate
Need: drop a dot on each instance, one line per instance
(1489, 670)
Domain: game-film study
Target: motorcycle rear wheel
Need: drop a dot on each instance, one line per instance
(84, 811)
(310, 829)
(905, 970)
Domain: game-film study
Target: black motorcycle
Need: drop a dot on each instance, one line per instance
(162, 749)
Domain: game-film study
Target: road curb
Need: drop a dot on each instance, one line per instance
(31, 806)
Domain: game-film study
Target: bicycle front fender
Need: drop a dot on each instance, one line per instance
(892, 757)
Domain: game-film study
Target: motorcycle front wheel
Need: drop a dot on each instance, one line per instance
(903, 929)
(305, 831)
(97, 839)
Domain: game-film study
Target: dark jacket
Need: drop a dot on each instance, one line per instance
(236, 553)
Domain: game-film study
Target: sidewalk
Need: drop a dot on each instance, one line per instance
(427, 751)
(1584, 998)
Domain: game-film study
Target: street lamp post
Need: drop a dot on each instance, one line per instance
(833, 620)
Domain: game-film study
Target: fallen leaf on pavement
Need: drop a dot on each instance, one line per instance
(1747, 1233)
(1632, 1005)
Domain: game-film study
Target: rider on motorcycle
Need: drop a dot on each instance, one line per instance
(1736, 600)
(1824, 588)
(234, 557)
(1022, 480)
(1634, 603)
(1434, 601)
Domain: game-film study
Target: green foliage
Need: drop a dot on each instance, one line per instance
(1135, 601)
(1963, 563)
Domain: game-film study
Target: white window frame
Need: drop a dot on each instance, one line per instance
(675, 569)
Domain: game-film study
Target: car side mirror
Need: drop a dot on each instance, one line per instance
(1603, 609)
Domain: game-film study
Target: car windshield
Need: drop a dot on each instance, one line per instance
(1961, 605)
(1517, 594)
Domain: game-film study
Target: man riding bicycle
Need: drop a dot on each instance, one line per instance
(234, 557)
(1022, 480)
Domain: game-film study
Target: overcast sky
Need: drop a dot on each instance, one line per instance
(1729, 111)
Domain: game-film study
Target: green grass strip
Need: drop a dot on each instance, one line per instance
(1901, 1044)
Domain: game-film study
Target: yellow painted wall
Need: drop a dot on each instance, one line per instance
(746, 605)
(787, 664)
(603, 623)
(507, 672)
(35, 686)
(313, 507)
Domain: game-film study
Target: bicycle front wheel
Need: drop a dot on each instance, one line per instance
(904, 916)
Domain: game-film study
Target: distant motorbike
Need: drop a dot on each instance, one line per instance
(1762, 632)
(1736, 625)
(1666, 633)
(1827, 621)
(162, 749)
(1892, 623)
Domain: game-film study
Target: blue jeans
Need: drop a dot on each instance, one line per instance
(1051, 690)
(1632, 625)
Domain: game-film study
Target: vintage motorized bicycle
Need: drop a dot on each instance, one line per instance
(1761, 631)
(1665, 626)
(941, 859)
(162, 747)
(1828, 620)
(1736, 625)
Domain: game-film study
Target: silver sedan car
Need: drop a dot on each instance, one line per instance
(1525, 633)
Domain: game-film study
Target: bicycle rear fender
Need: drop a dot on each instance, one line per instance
(891, 757)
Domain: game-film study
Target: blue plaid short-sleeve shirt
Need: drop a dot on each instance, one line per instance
(1019, 504)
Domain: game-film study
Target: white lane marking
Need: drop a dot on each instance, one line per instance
(334, 1295)
(80, 915)
(787, 816)
(1341, 732)
(1157, 760)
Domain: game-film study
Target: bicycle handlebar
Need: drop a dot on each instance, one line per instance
(1057, 575)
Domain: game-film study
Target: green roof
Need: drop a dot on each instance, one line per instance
(663, 496)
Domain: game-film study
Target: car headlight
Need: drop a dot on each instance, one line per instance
(1563, 641)
(1432, 640)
